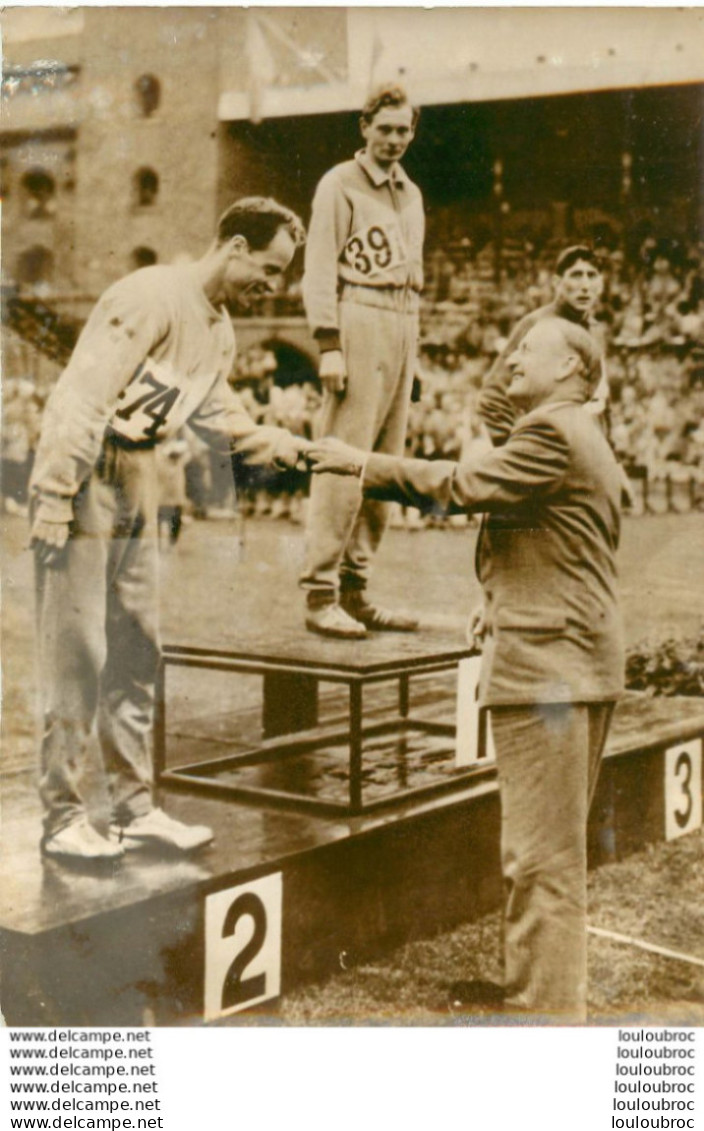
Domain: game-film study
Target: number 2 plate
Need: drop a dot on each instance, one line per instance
(683, 788)
(242, 946)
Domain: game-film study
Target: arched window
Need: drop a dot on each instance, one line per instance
(146, 187)
(38, 189)
(35, 265)
(148, 91)
(143, 257)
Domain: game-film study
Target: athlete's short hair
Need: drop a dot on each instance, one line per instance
(390, 94)
(572, 255)
(584, 345)
(258, 219)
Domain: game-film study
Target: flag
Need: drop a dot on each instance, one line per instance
(260, 66)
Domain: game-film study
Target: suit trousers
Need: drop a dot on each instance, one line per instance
(548, 759)
(98, 646)
(344, 531)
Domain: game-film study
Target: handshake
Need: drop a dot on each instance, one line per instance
(330, 455)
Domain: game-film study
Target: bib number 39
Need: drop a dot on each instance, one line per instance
(683, 788)
(242, 947)
(375, 249)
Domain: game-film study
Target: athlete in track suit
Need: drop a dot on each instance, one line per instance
(578, 283)
(553, 659)
(363, 274)
(154, 355)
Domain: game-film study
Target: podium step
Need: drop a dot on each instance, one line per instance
(282, 898)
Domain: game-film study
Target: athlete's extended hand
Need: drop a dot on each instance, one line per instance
(332, 372)
(293, 453)
(332, 455)
(48, 540)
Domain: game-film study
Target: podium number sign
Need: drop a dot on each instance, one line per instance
(242, 946)
(683, 788)
(474, 739)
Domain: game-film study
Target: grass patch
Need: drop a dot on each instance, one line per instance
(656, 895)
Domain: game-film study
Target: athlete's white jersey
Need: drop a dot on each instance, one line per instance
(153, 355)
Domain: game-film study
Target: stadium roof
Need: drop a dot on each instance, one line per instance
(453, 55)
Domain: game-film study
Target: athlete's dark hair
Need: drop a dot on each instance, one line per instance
(571, 255)
(258, 219)
(390, 94)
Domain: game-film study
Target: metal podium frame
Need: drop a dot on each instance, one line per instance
(294, 682)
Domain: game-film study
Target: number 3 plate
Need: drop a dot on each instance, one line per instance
(683, 788)
(242, 946)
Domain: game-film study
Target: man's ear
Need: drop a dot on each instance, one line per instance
(237, 246)
(570, 366)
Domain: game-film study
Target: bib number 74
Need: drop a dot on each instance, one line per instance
(145, 404)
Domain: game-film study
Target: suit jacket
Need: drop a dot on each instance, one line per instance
(546, 556)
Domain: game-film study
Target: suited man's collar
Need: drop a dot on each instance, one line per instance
(549, 406)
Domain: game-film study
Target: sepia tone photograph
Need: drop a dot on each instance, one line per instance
(352, 498)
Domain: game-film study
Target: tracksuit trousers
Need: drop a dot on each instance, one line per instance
(548, 759)
(98, 646)
(379, 348)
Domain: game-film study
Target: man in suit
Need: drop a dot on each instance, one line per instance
(553, 655)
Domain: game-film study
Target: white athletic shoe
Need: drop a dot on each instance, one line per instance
(80, 841)
(332, 620)
(156, 829)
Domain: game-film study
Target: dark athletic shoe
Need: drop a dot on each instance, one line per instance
(476, 996)
(375, 618)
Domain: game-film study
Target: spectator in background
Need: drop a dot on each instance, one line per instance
(21, 418)
(171, 460)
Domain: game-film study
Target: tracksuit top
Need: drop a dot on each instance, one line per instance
(366, 232)
(153, 356)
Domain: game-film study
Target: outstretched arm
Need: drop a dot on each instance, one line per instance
(533, 460)
(223, 423)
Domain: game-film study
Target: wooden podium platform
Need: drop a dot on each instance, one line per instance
(285, 897)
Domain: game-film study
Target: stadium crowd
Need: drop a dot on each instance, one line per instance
(652, 311)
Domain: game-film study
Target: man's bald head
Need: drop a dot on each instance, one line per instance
(556, 360)
(581, 343)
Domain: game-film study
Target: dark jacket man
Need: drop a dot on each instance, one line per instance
(553, 657)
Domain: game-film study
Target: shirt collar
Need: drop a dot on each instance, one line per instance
(395, 175)
(564, 310)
